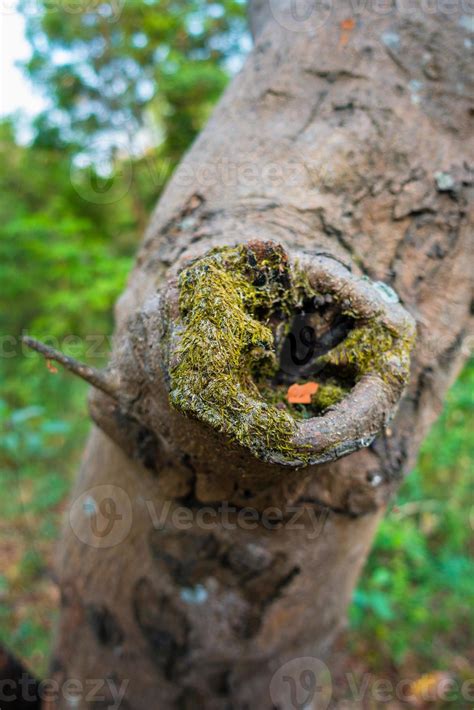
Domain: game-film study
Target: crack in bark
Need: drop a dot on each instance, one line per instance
(333, 75)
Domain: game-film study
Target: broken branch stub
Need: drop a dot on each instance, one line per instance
(236, 307)
(208, 361)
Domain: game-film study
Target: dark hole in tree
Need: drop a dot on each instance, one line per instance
(315, 329)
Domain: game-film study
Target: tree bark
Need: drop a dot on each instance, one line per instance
(345, 140)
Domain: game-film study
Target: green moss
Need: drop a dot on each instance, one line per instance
(224, 345)
(328, 395)
(224, 366)
(373, 347)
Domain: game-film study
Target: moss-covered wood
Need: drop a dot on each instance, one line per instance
(236, 306)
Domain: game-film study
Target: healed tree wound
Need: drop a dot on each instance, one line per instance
(226, 321)
(207, 351)
(212, 356)
(236, 307)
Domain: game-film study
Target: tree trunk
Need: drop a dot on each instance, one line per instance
(199, 558)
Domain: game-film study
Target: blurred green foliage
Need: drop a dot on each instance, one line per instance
(73, 204)
(119, 66)
(414, 602)
(38, 454)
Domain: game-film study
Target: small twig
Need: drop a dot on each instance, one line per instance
(95, 377)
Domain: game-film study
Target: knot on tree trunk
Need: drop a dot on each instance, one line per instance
(257, 364)
(250, 321)
(206, 367)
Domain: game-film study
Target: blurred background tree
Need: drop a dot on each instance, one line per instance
(134, 76)
(128, 86)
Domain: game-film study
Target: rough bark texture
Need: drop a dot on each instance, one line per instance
(349, 140)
